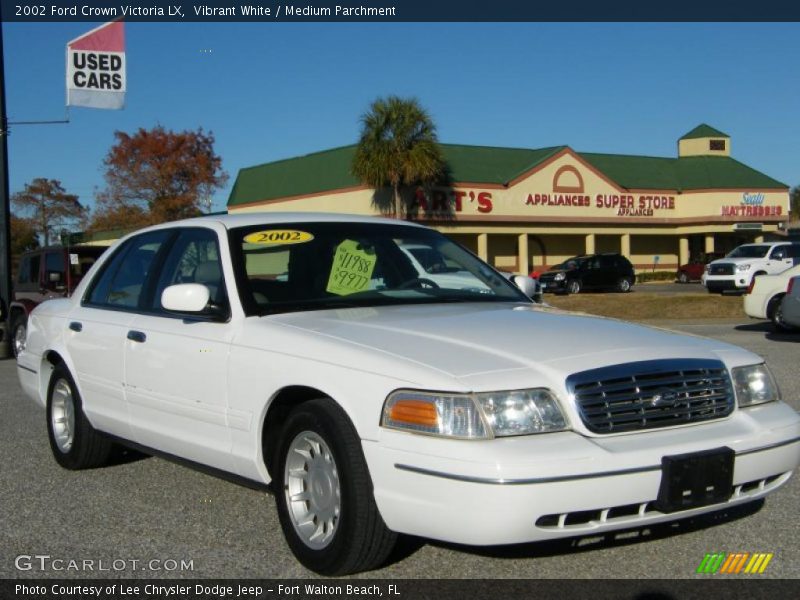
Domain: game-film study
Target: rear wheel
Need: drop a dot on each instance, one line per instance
(574, 286)
(19, 332)
(73, 440)
(325, 500)
(624, 285)
(683, 277)
(775, 314)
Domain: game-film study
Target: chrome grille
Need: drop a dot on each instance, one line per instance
(721, 269)
(651, 394)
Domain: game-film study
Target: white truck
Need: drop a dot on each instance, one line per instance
(735, 271)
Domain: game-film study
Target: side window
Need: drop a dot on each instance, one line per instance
(194, 258)
(36, 260)
(24, 275)
(55, 276)
(122, 280)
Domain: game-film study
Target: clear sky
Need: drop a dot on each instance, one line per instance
(275, 90)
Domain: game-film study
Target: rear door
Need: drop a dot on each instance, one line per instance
(97, 328)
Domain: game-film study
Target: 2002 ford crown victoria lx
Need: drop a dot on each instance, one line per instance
(306, 351)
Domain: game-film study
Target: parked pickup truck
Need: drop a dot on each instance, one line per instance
(46, 273)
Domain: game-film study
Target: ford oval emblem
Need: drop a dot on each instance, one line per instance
(664, 399)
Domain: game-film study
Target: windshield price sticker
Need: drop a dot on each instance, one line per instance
(352, 269)
(278, 237)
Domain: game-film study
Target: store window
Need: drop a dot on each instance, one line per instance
(716, 145)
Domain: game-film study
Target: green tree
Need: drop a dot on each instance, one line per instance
(157, 175)
(50, 208)
(794, 202)
(397, 149)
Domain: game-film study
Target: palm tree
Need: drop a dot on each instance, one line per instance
(397, 149)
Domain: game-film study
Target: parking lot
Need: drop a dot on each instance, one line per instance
(147, 515)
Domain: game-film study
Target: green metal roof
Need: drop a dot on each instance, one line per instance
(330, 170)
(686, 173)
(703, 131)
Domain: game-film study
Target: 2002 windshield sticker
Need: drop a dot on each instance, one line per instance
(352, 268)
(278, 237)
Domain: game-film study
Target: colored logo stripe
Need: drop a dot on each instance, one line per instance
(735, 563)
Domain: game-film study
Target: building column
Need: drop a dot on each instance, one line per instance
(483, 246)
(589, 244)
(683, 250)
(709, 242)
(523, 260)
(759, 239)
(625, 245)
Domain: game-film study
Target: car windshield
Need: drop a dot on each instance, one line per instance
(312, 266)
(749, 252)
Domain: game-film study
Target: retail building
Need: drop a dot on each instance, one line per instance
(525, 209)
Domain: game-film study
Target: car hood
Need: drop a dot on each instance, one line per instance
(735, 261)
(472, 341)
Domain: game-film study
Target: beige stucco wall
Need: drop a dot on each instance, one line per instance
(700, 147)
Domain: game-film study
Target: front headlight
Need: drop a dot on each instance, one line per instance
(559, 277)
(743, 267)
(754, 385)
(474, 416)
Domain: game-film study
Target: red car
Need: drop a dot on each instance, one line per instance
(693, 270)
(51, 272)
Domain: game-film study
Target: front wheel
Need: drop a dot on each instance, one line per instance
(73, 440)
(325, 501)
(683, 277)
(574, 286)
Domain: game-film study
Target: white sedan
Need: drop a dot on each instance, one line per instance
(763, 297)
(305, 352)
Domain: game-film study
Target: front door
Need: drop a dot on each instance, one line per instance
(176, 369)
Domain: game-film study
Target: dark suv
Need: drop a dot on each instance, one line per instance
(46, 273)
(608, 271)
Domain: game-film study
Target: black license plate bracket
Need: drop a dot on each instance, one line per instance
(695, 479)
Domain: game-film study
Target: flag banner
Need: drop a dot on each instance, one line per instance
(96, 68)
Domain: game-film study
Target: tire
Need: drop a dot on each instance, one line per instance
(344, 531)
(775, 314)
(574, 286)
(683, 277)
(624, 285)
(75, 443)
(18, 333)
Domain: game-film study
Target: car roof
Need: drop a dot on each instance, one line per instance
(231, 221)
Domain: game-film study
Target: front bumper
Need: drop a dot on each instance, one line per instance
(553, 285)
(719, 283)
(532, 488)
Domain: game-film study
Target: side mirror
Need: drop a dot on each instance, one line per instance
(185, 298)
(529, 286)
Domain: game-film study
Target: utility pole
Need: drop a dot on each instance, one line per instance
(5, 211)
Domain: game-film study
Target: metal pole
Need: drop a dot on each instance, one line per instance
(5, 212)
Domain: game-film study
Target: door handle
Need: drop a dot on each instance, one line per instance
(137, 336)
(76, 326)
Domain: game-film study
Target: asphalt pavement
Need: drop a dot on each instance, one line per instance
(147, 517)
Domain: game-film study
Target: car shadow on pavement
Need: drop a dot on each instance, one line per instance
(770, 333)
(599, 541)
(122, 455)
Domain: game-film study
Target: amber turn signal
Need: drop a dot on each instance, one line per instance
(414, 412)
